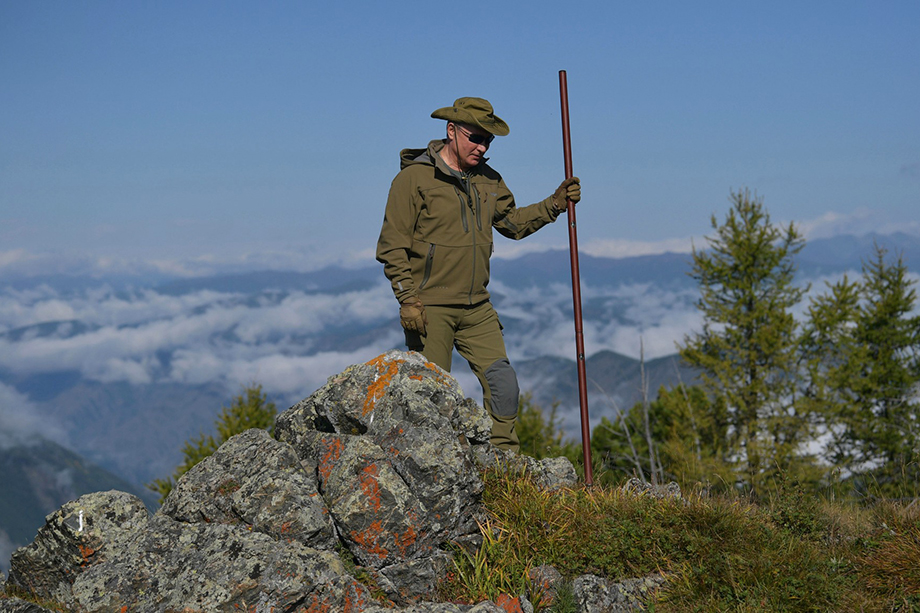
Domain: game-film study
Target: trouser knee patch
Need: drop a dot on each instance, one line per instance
(503, 385)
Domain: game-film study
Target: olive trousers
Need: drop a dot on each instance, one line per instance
(477, 334)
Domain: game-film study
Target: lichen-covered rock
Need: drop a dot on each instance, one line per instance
(381, 521)
(392, 389)
(391, 440)
(174, 566)
(422, 607)
(79, 535)
(409, 580)
(595, 594)
(643, 488)
(18, 605)
(269, 492)
(548, 473)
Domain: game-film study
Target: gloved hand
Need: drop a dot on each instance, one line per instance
(412, 316)
(570, 189)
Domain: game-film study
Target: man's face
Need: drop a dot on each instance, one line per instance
(469, 153)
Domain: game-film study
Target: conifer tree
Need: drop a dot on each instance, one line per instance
(831, 360)
(249, 409)
(747, 348)
(879, 428)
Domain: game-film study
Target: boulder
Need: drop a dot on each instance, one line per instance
(18, 605)
(549, 473)
(595, 594)
(79, 535)
(176, 566)
(391, 441)
(269, 492)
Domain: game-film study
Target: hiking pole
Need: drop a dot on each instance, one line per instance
(576, 288)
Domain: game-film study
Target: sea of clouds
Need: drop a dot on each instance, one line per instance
(290, 341)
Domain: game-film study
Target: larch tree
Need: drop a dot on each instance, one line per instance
(747, 349)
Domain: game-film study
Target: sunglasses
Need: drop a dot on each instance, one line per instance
(477, 139)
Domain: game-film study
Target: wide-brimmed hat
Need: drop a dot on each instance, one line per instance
(474, 112)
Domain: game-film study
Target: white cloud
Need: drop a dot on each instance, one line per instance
(638, 313)
(859, 222)
(608, 248)
(622, 248)
(14, 257)
(20, 421)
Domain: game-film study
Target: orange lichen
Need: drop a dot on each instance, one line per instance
(370, 486)
(511, 604)
(333, 451)
(315, 605)
(406, 540)
(87, 553)
(386, 370)
(369, 539)
(356, 603)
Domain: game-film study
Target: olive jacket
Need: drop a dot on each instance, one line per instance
(436, 238)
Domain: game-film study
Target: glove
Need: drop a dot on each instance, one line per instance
(412, 316)
(570, 189)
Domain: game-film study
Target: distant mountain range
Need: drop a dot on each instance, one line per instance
(130, 370)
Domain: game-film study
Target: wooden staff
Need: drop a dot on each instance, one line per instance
(576, 288)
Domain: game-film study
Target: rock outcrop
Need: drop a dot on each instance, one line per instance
(379, 468)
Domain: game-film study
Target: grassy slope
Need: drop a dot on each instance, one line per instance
(718, 554)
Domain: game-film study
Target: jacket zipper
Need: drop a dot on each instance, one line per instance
(463, 205)
(477, 215)
(473, 270)
(429, 261)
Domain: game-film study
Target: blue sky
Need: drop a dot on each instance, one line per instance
(185, 134)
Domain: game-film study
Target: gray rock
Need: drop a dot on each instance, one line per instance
(486, 606)
(392, 444)
(643, 488)
(548, 473)
(392, 389)
(213, 567)
(18, 605)
(545, 582)
(270, 492)
(595, 594)
(379, 518)
(407, 580)
(76, 537)
(421, 607)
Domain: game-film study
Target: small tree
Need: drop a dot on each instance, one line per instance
(831, 359)
(874, 381)
(747, 348)
(250, 409)
(688, 430)
(541, 436)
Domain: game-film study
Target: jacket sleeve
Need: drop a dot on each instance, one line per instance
(516, 223)
(396, 236)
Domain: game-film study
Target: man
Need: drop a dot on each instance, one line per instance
(435, 246)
